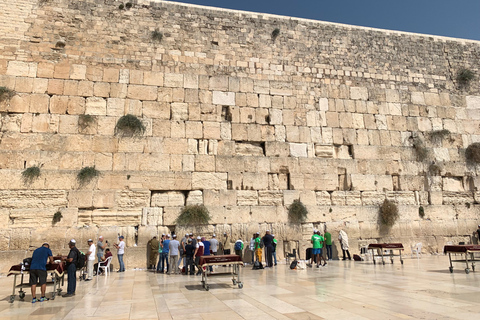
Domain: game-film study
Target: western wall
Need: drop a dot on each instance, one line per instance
(238, 117)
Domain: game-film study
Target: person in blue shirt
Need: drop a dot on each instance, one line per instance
(164, 255)
(38, 271)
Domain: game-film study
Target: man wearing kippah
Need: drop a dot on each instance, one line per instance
(90, 259)
(38, 271)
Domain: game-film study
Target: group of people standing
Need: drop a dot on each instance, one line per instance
(320, 241)
(171, 252)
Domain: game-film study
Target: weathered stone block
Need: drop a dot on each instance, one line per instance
(223, 98)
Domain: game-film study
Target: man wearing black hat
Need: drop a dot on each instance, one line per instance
(72, 269)
(38, 271)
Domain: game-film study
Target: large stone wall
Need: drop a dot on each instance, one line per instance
(235, 120)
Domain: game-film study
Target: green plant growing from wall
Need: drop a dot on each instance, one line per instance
(388, 213)
(85, 120)
(297, 212)
(87, 174)
(472, 154)
(6, 94)
(465, 76)
(157, 35)
(121, 6)
(192, 215)
(421, 212)
(30, 174)
(438, 135)
(57, 217)
(128, 5)
(420, 149)
(129, 125)
(275, 34)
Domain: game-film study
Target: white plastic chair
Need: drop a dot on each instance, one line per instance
(417, 249)
(105, 267)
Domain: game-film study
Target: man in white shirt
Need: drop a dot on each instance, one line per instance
(213, 245)
(90, 259)
(173, 248)
(121, 251)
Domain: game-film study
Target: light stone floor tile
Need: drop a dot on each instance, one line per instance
(420, 289)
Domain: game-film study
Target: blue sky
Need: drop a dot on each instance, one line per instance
(451, 18)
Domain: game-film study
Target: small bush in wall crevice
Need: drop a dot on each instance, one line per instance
(472, 154)
(420, 149)
(388, 213)
(6, 94)
(275, 33)
(297, 212)
(129, 125)
(87, 174)
(193, 215)
(30, 174)
(157, 35)
(57, 217)
(464, 76)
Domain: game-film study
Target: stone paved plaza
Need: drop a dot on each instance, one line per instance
(420, 289)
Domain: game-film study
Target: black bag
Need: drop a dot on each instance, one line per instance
(27, 262)
(80, 263)
(293, 265)
(257, 265)
(356, 257)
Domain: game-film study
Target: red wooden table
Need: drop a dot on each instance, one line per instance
(386, 246)
(225, 260)
(467, 250)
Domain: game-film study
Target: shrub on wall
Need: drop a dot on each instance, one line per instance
(421, 212)
(388, 213)
(464, 76)
(420, 149)
(84, 120)
(157, 35)
(30, 174)
(57, 217)
(193, 215)
(297, 212)
(129, 125)
(275, 34)
(86, 174)
(6, 94)
(473, 152)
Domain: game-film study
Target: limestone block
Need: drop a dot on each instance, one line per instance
(56, 86)
(207, 180)
(32, 198)
(223, 98)
(96, 106)
(353, 198)
(105, 217)
(452, 197)
(424, 124)
(103, 199)
(195, 197)
(28, 217)
(247, 197)
(432, 99)
(20, 239)
(179, 111)
(454, 184)
(318, 182)
(255, 180)
(168, 199)
(218, 83)
(133, 198)
(270, 198)
(78, 71)
(80, 198)
(363, 182)
(76, 105)
(174, 80)
(298, 150)
(22, 69)
(323, 198)
(358, 93)
(402, 197)
(142, 92)
(211, 130)
(170, 214)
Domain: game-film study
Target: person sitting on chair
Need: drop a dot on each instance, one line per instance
(104, 262)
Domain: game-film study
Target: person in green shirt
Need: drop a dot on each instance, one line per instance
(328, 244)
(258, 249)
(274, 249)
(317, 242)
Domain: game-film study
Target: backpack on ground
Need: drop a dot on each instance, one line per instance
(293, 265)
(257, 265)
(356, 257)
(80, 263)
(238, 246)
